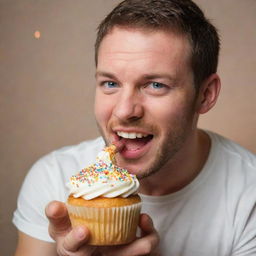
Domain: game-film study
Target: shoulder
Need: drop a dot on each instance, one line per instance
(82, 154)
(72, 156)
(233, 168)
(54, 169)
(232, 153)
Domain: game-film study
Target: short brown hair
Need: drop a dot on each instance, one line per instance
(179, 16)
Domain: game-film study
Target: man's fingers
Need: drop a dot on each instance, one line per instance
(68, 240)
(150, 238)
(76, 238)
(59, 223)
(147, 245)
(146, 224)
(143, 246)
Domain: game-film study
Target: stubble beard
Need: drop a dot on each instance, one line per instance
(171, 144)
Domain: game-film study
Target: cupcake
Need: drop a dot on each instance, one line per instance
(104, 198)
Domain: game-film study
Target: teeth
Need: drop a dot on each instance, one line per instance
(131, 135)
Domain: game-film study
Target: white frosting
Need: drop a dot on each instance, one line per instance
(104, 179)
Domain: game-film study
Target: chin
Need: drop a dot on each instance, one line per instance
(136, 167)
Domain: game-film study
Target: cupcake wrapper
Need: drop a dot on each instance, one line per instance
(108, 226)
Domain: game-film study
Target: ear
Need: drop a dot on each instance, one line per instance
(208, 94)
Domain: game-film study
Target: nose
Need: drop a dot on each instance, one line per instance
(129, 106)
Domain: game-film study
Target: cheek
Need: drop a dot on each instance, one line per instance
(102, 109)
(164, 111)
(170, 114)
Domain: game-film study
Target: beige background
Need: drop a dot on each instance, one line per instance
(47, 84)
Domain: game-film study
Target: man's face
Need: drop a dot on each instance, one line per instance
(145, 97)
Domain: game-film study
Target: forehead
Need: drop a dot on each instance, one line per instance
(130, 42)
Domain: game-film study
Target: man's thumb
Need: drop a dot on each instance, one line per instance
(59, 222)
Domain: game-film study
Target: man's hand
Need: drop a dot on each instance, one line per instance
(69, 241)
(73, 242)
(147, 244)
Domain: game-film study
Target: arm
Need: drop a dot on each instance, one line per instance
(29, 217)
(29, 246)
(244, 241)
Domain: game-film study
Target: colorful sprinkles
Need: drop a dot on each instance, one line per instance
(101, 172)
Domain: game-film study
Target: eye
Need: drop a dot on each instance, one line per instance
(156, 85)
(156, 88)
(109, 84)
(108, 87)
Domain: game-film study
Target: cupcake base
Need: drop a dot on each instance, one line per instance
(113, 225)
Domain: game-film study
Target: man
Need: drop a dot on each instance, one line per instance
(156, 73)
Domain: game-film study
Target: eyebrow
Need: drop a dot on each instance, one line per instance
(159, 76)
(105, 74)
(145, 76)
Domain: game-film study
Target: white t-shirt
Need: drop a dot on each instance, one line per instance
(215, 215)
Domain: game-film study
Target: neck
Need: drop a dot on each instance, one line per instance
(181, 169)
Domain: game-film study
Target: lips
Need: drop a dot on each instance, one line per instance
(132, 145)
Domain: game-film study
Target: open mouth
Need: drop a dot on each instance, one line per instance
(134, 144)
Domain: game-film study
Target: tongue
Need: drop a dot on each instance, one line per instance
(134, 144)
